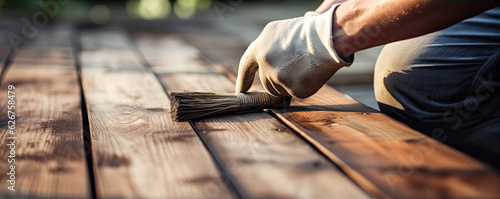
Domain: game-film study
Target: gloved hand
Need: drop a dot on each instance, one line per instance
(311, 14)
(295, 56)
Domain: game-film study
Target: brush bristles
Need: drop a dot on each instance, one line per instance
(189, 105)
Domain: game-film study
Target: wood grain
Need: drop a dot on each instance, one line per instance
(50, 157)
(380, 152)
(264, 158)
(384, 156)
(138, 151)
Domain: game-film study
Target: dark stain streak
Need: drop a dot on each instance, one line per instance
(246, 161)
(59, 169)
(211, 130)
(316, 164)
(414, 141)
(62, 152)
(180, 138)
(201, 180)
(32, 144)
(59, 126)
(332, 142)
(112, 161)
(302, 166)
(156, 109)
(44, 125)
(127, 109)
(66, 147)
(328, 121)
(30, 82)
(311, 165)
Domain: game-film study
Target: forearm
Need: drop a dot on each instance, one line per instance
(327, 4)
(361, 24)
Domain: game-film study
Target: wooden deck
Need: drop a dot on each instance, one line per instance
(92, 121)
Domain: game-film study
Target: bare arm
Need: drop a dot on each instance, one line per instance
(356, 25)
(361, 24)
(327, 4)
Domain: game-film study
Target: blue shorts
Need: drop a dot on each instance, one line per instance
(447, 85)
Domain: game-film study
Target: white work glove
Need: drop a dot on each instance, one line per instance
(295, 56)
(311, 14)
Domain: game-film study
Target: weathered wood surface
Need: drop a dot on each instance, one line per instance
(49, 149)
(138, 151)
(384, 156)
(264, 158)
(216, 43)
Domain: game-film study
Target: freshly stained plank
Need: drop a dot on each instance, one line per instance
(399, 161)
(138, 151)
(264, 158)
(49, 149)
(384, 156)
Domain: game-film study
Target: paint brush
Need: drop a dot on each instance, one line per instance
(190, 105)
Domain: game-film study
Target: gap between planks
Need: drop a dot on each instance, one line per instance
(75, 40)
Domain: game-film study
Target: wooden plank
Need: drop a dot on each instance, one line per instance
(9, 34)
(139, 152)
(215, 42)
(49, 149)
(264, 158)
(399, 161)
(384, 156)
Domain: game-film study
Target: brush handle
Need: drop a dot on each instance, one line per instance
(260, 100)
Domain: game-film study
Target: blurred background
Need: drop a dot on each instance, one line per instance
(243, 19)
